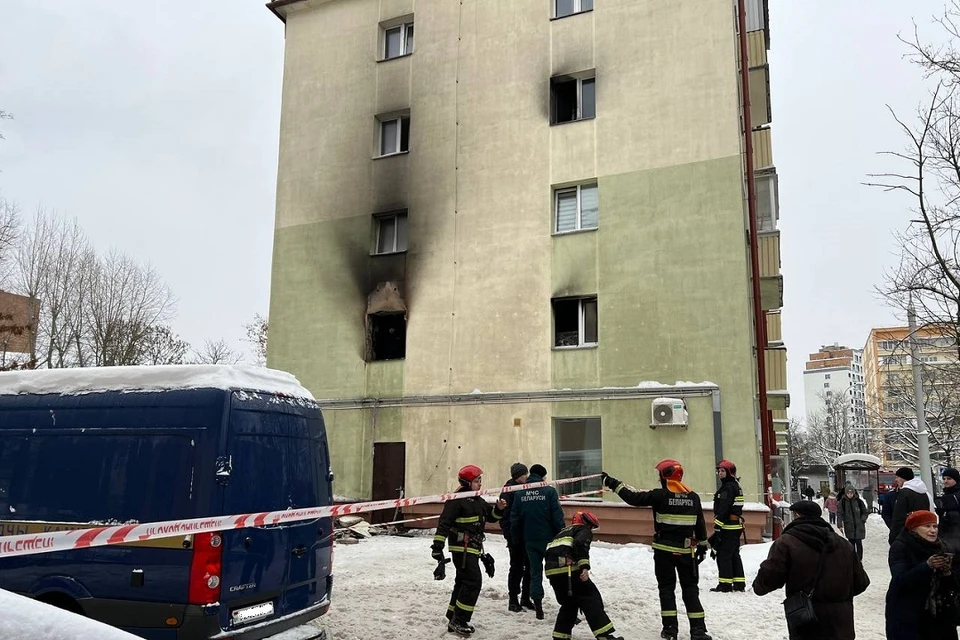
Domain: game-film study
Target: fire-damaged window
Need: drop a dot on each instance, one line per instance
(388, 336)
(574, 322)
(391, 232)
(572, 99)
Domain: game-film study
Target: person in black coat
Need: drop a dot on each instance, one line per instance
(920, 570)
(911, 497)
(852, 516)
(518, 578)
(886, 501)
(948, 508)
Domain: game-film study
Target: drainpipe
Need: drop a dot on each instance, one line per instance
(759, 319)
(717, 427)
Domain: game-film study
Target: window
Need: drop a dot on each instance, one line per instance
(564, 8)
(888, 345)
(572, 99)
(891, 360)
(575, 322)
(826, 376)
(768, 211)
(575, 208)
(394, 135)
(398, 41)
(391, 233)
(579, 451)
(388, 335)
(826, 385)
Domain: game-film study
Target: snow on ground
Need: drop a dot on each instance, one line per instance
(384, 588)
(26, 618)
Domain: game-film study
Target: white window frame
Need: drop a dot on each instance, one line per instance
(579, 106)
(774, 201)
(577, 8)
(379, 218)
(579, 224)
(404, 26)
(380, 128)
(581, 323)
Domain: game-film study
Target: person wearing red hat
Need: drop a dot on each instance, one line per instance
(461, 526)
(728, 529)
(921, 601)
(568, 569)
(679, 544)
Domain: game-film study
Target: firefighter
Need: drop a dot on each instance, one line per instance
(568, 569)
(728, 529)
(518, 579)
(461, 525)
(679, 544)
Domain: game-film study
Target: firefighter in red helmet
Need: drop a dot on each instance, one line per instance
(728, 529)
(568, 569)
(679, 544)
(461, 526)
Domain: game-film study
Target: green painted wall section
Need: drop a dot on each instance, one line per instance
(671, 269)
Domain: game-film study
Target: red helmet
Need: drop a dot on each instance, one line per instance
(730, 468)
(469, 473)
(587, 518)
(670, 469)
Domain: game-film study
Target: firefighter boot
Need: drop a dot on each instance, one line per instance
(722, 588)
(527, 603)
(739, 586)
(669, 633)
(539, 608)
(698, 630)
(514, 604)
(462, 629)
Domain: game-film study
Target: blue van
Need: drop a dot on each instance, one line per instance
(87, 447)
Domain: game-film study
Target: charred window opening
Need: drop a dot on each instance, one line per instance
(574, 322)
(388, 336)
(572, 99)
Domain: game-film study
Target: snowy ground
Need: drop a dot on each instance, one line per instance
(384, 588)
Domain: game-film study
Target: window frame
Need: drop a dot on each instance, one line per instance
(577, 9)
(399, 120)
(578, 108)
(378, 227)
(404, 27)
(557, 421)
(771, 175)
(578, 227)
(581, 322)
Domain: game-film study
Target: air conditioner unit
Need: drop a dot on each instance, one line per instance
(668, 412)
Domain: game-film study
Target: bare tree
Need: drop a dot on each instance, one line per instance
(163, 346)
(257, 337)
(125, 300)
(216, 352)
(830, 431)
(801, 450)
(9, 234)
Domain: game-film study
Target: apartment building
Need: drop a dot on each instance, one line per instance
(889, 387)
(506, 229)
(833, 379)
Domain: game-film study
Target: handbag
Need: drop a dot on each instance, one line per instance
(798, 607)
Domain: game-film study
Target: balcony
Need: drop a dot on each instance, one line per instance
(762, 149)
(771, 282)
(774, 330)
(756, 49)
(775, 360)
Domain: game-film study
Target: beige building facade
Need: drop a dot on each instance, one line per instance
(505, 234)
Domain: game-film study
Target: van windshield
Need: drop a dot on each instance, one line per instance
(278, 462)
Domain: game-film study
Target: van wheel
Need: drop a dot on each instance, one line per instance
(61, 601)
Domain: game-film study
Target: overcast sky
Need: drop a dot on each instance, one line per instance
(156, 125)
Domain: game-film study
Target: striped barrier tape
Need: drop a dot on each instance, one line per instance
(29, 544)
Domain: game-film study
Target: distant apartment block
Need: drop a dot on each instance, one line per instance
(834, 376)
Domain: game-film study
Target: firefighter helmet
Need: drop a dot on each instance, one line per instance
(728, 466)
(469, 473)
(670, 469)
(587, 518)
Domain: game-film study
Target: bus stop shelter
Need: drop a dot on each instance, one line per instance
(862, 471)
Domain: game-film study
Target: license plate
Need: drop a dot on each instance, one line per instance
(249, 614)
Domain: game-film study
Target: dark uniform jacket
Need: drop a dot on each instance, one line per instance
(573, 543)
(793, 562)
(948, 508)
(910, 583)
(728, 506)
(505, 525)
(536, 515)
(462, 521)
(911, 497)
(678, 524)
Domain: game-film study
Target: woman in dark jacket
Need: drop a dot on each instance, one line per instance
(919, 569)
(948, 508)
(852, 519)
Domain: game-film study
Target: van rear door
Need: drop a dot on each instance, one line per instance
(276, 448)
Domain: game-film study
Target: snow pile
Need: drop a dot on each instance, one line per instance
(374, 580)
(151, 378)
(27, 618)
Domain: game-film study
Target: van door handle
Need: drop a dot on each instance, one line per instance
(299, 551)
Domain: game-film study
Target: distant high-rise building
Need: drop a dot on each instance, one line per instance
(834, 376)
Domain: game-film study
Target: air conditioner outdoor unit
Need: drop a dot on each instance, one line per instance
(668, 412)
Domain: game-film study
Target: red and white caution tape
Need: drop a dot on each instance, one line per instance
(28, 544)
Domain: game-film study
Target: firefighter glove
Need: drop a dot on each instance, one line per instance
(437, 551)
(610, 482)
(441, 571)
(488, 563)
(714, 540)
(701, 554)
